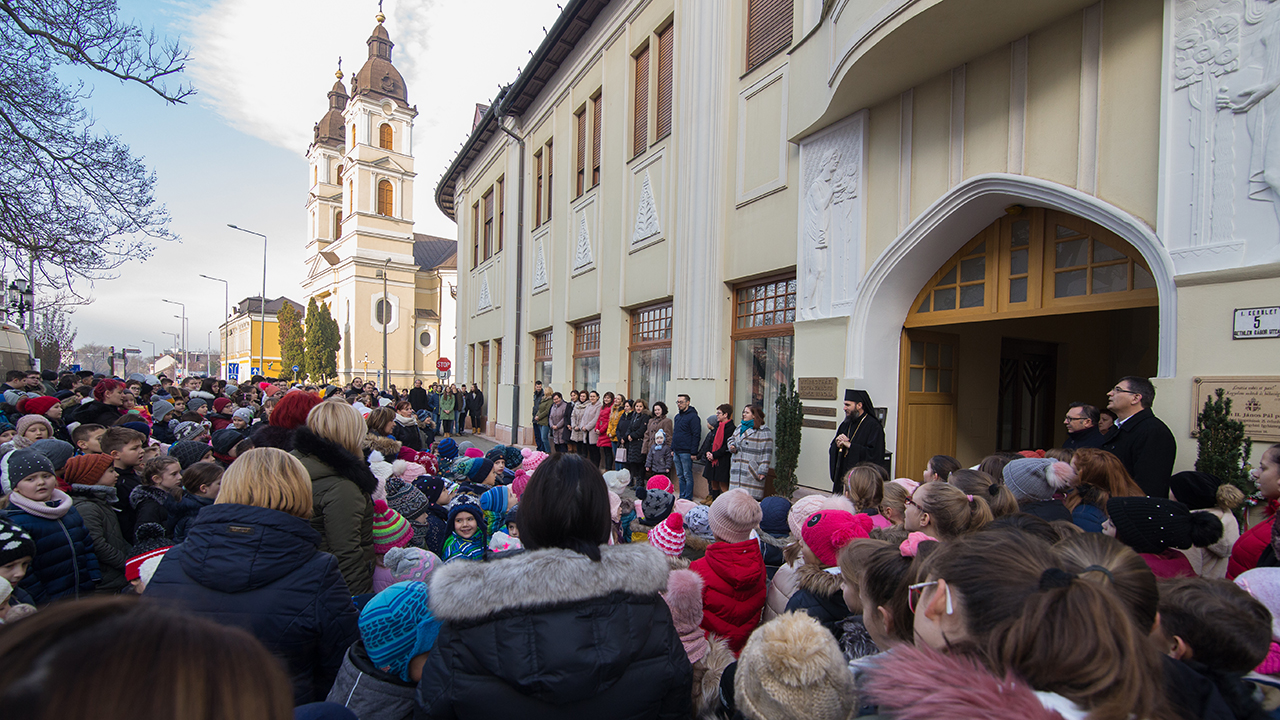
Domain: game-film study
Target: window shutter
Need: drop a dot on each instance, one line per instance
(597, 106)
(768, 29)
(537, 194)
(475, 235)
(550, 186)
(640, 117)
(384, 136)
(384, 198)
(488, 224)
(665, 79)
(501, 209)
(582, 149)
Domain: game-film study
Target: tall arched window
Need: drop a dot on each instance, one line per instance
(353, 134)
(337, 225)
(384, 197)
(339, 182)
(384, 136)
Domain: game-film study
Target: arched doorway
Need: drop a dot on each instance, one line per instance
(1038, 309)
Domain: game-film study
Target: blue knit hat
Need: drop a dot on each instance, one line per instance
(140, 426)
(774, 521)
(513, 457)
(447, 449)
(495, 500)
(496, 453)
(397, 626)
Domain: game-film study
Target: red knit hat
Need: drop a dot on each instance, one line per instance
(291, 412)
(37, 405)
(661, 482)
(86, 469)
(668, 535)
(220, 403)
(827, 531)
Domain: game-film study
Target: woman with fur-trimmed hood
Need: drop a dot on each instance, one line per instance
(571, 628)
(342, 484)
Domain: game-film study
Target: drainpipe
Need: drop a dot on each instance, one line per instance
(515, 377)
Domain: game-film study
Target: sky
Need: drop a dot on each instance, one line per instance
(236, 152)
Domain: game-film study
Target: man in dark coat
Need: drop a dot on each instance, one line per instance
(1140, 439)
(860, 437)
(1082, 427)
(475, 407)
(418, 398)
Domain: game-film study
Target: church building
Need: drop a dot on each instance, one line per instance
(378, 277)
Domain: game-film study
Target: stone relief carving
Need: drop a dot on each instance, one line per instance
(1223, 199)
(485, 301)
(646, 214)
(582, 256)
(540, 266)
(832, 207)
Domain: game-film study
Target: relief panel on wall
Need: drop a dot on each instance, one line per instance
(646, 225)
(484, 301)
(1222, 166)
(832, 216)
(540, 281)
(583, 255)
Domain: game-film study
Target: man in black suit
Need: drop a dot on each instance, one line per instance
(1140, 439)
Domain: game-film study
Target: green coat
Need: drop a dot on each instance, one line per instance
(93, 502)
(544, 412)
(342, 512)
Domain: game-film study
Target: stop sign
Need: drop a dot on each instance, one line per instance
(443, 364)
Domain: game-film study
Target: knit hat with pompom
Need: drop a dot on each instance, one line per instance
(684, 598)
(827, 531)
(668, 535)
(734, 515)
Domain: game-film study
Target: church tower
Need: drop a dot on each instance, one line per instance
(360, 211)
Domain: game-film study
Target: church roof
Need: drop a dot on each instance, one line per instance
(431, 252)
(331, 130)
(379, 78)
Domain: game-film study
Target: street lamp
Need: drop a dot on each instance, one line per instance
(21, 299)
(386, 312)
(262, 331)
(226, 312)
(186, 369)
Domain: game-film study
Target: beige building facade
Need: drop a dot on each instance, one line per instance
(364, 260)
(979, 212)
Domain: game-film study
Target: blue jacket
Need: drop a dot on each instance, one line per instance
(64, 565)
(260, 570)
(687, 431)
(185, 512)
(1088, 518)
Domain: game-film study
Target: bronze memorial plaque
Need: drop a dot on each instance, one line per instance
(823, 424)
(1255, 401)
(818, 410)
(817, 388)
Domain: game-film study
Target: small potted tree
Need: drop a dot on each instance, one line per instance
(786, 429)
(1223, 449)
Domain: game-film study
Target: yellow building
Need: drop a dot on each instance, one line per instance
(976, 210)
(243, 336)
(360, 225)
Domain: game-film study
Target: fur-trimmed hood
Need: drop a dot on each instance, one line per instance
(706, 689)
(905, 684)
(338, 459)
(817, 580)
(779, 542)
(463, 592)
(105, 494)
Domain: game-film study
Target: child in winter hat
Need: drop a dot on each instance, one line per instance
(668, 535)
(800, 511)
(188, 453)
(467, 539)
(733, 569)
(411, 563)
(447, 449)
(1264, 585)
(1154, 527)
(698, 522)
(826, 532)
(495, 502)
(47, 514)
(792, 669)
(660, 458)
(1037, 479)
(397, 626)
(147, 553)
(17, 549)
(773, 516)
(58, 452)
(390, 530)
(734, 514)
(654, 506)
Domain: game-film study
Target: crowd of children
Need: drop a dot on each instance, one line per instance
(394, 574)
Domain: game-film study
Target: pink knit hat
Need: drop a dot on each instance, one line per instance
(683, 506)
(734, 515)
(520, 483)
(473, 453)
(827, 531)
(684, 598)
(412, 470)
(907, 483)
(801, 510)
(532, 459)
(661, 482)
(668, 535)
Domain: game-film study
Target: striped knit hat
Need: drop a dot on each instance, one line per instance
(397, 626)
(390, 529)
(668, 535)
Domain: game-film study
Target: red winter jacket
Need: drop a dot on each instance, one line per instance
(1248, 549)
(602, 427)
(734, 590)
(1169, 564)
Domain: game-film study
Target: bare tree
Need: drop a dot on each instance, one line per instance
(53, 337)
(75, 203)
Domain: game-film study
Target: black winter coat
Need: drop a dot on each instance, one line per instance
(634, 434)
(97, 412)
(720, 471)
(552, 634)
(185, 512)
(1147, 448)
(260, 570)
(820, 596)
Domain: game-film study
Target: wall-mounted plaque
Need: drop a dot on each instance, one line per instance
(817, 388)
(1255, 401)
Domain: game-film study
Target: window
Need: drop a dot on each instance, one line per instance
(542, 353)
(597, 106)
(537, 189)
(385, 198)
(931, 367)
(488, 224)
(768, 29)
(580, 120)
(501, 207)
(650, 353)
(337, 225)
(475, 235)
(382, 311)
(550, 187)
(586, 355)
(665, 79)
(384, 136)
(763, 341)
(1035, 262)
(353, 135)
(339, 179)
(640, 104)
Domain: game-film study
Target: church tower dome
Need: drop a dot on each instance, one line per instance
(331, 130)
(379, 78)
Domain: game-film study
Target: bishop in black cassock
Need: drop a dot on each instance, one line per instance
(860, 437)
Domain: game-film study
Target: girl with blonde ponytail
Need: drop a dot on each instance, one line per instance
(944, 512)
